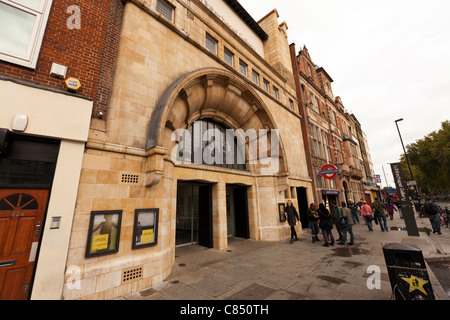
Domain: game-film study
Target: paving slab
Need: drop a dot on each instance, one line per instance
(262, 270)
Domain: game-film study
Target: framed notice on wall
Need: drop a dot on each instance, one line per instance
(145, 232)
(282, 215)
(104, 233)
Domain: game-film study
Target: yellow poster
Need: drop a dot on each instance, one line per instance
(147, 235)
(100, 242)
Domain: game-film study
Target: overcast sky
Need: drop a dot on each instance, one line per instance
(388, 59)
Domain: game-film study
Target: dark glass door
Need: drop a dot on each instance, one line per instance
(194, 214)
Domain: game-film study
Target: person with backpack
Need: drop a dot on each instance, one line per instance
(346, 225)
(380, 214)
(335, 213)
(434, 214)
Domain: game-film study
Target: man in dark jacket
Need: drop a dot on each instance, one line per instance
(292, 218)
(434, 214)
(380, 215)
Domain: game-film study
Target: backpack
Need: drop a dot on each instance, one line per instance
(430, 209)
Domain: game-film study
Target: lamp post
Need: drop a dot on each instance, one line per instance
(406, 156)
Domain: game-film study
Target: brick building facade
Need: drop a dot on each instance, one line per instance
(331, 135)
(44, 129)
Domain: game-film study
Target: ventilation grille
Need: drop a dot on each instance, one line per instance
(131, 274)
(130, 178)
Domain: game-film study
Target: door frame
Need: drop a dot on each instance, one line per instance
(205, 232)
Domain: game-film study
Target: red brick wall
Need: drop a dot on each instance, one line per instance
(88, 52)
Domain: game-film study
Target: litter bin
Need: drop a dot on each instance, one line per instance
(407, 272)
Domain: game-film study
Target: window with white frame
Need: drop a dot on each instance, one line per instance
(229, 57)
(315, 103)
(326, 146)
(316, 142)
(339, 156)
(22, 27)
(211, 43)
(332, 117)
(165, 9)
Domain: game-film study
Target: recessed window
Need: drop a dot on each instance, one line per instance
(255, 77)
(291, 104)
(22, 27)
(229, 57)
(165, 9)
(266, 85)
(276, 93)
(211, 43)
(243, 67)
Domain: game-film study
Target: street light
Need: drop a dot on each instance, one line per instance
(406, 156)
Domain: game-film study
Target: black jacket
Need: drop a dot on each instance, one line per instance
(325, 222)
(292, 215)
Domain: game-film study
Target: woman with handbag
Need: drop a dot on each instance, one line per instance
(366, 212)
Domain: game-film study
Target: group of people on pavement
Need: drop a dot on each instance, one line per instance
(340, 217)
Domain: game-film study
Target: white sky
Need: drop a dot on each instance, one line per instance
(388, 59)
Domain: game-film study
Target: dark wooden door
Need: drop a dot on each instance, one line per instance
(21, 219)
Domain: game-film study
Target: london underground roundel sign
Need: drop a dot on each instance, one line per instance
(329, 171)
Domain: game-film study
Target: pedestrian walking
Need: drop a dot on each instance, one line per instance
(292, 218)
(313, 220)
(335, 213)
(434, 214)
(366, 213)
(379, 215)
(326, 225)
(346, 225)
(354, 209)
(390, 209)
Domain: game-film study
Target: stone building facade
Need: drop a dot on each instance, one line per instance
(194, 123)
(182, 68)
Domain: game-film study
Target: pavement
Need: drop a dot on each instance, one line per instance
(262, 270)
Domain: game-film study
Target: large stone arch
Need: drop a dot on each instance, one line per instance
(205, 93)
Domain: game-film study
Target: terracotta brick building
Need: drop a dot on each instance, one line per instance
(331, 135)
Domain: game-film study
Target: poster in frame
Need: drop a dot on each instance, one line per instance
(145, 232)
(104, 233)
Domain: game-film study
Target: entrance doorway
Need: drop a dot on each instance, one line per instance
(237, 212)
(194, 214)
(303, 206)
(21, 221)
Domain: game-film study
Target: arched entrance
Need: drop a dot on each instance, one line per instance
(218, 100)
